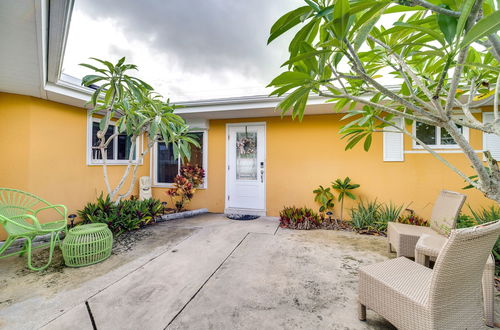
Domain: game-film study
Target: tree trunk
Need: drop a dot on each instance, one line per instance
(342, 210)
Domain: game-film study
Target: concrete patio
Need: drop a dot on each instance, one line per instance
(206, 272)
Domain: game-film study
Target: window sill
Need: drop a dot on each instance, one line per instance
(171, 185)
(113, 163)
(443, 146)
(439, 151)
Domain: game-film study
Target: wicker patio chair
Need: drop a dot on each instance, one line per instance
(19, 217)
(428, 248)
(412, 296)
(403, 237)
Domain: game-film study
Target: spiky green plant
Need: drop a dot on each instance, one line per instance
(365, 215)
(388, 212)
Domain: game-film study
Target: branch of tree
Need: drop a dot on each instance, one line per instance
(434, 8)
(495, 46)
(354, 55)
(457, 72)
(127, 170)
(469, 152)
(396, 97)
(414, 96)
(101, 135)
(381, 107)
(134, 173)
(110, 139)
(462, 55)
(408, 70)
(466, 107)
(495, 100)
(338, 78)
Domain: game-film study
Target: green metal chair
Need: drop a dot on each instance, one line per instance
(19, 217)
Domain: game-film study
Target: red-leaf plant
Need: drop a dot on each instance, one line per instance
(185, 185)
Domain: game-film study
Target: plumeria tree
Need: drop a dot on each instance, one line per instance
(429, 61)
(136, 110)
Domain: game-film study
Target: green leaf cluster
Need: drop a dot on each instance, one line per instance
(324, 197)
(135, 107)
(344, 188)
(121, 217)
(320, 61)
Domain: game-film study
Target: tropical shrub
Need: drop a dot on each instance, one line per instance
(485, 215)
(344, 187)
(388, 212)
(410, 218)
(365, 215)
(153, 207)
(374, 216)
(123, 216)
(185, 184)
(465, 220)
(324, 197)
(100, 211)
(181, 193)
(300, 218)
(194, 174)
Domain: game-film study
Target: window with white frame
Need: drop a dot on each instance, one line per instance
(436, 137)
(118, 150)
(166, 167)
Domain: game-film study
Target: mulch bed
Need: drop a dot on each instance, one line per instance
(335, 225)
(332, 224)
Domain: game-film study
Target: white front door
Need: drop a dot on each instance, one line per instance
(246, 169)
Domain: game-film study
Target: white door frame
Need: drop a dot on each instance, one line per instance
(227, 209)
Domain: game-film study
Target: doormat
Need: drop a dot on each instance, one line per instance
(242, 217)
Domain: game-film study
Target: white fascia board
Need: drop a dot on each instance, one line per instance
(62, 94)
(41, 23)
(60, 18)
(242, 103)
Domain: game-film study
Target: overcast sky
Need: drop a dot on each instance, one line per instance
(187, 49)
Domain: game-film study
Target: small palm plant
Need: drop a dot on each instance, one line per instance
(344, 188)
(324, 197)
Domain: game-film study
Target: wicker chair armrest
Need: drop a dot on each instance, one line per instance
(59, 208)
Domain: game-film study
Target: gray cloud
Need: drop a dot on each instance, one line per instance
(203, 36)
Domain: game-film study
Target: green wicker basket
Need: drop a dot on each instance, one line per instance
(87, 244)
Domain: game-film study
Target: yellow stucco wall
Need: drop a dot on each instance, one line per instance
(43, 151)
(43, 148)
(303, 155)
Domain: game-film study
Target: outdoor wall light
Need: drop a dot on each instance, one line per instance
(72, 220)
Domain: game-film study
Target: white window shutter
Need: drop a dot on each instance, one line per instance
(393, 143)
(491, 142)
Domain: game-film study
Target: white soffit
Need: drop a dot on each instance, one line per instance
(261, 108)
(23, 33)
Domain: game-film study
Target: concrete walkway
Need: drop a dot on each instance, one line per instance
(224, 275)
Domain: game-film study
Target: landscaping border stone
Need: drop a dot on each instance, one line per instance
(181, 215)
